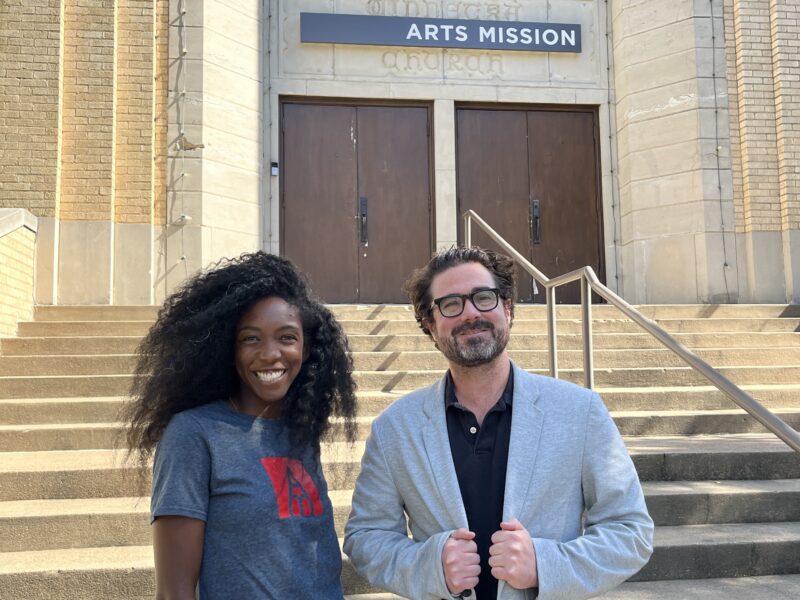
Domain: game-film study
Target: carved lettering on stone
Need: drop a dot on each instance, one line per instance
(487, 10)
(422, 62)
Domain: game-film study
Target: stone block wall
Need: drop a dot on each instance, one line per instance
(673, 166)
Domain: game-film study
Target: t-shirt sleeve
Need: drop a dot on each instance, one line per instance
(181, 472)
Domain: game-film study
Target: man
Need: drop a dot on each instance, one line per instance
(511, 484)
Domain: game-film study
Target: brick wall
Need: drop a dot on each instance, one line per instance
(29, 65)
(764, 90)
(784, 25)
(133, 164)
(16, 279)
(88, 111)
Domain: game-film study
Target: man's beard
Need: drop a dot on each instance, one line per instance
(474, 351)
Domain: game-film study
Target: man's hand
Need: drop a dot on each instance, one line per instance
(512, 556)
(460, 561)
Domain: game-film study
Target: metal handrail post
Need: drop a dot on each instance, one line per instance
(467, 231)
(551, 330)
(586, 330)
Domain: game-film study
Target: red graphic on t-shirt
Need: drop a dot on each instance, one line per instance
(297, 495)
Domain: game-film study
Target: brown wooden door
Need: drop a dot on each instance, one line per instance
(319, 183)
(394, 182)
(492, 180)
(514, 166)
(356, 197)
(564, 181)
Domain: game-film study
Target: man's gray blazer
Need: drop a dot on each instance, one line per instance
(565, 456)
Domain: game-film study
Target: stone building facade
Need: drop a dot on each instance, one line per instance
(150, 138)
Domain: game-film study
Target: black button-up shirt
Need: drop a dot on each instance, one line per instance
(480, 456)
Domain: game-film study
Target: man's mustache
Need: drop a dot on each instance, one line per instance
(473, 325)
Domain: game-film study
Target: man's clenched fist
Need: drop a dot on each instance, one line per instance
(512, 556)
(460, 561)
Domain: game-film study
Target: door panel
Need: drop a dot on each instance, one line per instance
(394, 180)
(506, 159)
(319, 184)
(335, 156)
(563, 168)
(492, 174)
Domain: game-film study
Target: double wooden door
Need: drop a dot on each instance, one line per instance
(356, 201)
(533, 175)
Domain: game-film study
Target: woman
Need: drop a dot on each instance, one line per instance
(235, 386)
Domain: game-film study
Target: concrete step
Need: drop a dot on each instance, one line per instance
(698, 551)
(712, 457)
(57, 365)
(768, 587)
(573, 341)
(59, 436)
(570, 359)
(111, 364)
(105, 409)
(57, 410)
(723, 550)
(85, 436)
(95, 436)
(74, 523)
(101, 473)
(696, 422)
(98, 312)
(107, 573)
(94, 522)
(83, 328)
(600, 326)
(37, 346)
(104, 473)
(388, 381)
(701, 397)
(32, 346)
(705, 502)
(101, 573)
(407, 327)
(371, 312)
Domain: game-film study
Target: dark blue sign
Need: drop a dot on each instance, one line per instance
(439, 33)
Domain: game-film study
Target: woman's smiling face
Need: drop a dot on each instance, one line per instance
(269, 352)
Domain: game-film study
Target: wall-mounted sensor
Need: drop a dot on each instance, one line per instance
(273, 169)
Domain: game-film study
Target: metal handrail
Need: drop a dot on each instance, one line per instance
(589, 283)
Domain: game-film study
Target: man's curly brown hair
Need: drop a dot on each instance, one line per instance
(418, 286)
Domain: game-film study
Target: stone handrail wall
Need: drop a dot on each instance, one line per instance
(17, 253)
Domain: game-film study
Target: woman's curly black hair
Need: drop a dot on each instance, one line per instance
(187, 358)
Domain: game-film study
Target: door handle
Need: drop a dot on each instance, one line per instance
(363, 220)
(536, 224)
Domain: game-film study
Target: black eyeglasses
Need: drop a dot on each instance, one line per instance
(453, 305)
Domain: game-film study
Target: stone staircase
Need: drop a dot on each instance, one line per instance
(725, 495)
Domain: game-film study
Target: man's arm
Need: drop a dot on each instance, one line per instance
(376, 538)
(618, 535)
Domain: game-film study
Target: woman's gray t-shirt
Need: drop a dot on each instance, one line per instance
(269, 530)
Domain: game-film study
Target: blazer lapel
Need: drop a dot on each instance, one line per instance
(526, 430)
(440, 458)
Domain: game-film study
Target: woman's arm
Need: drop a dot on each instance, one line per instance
(178, 548)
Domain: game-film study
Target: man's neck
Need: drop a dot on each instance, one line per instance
(479, 388)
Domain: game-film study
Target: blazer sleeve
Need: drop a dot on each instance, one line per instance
(618, 535)
(376, 538)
